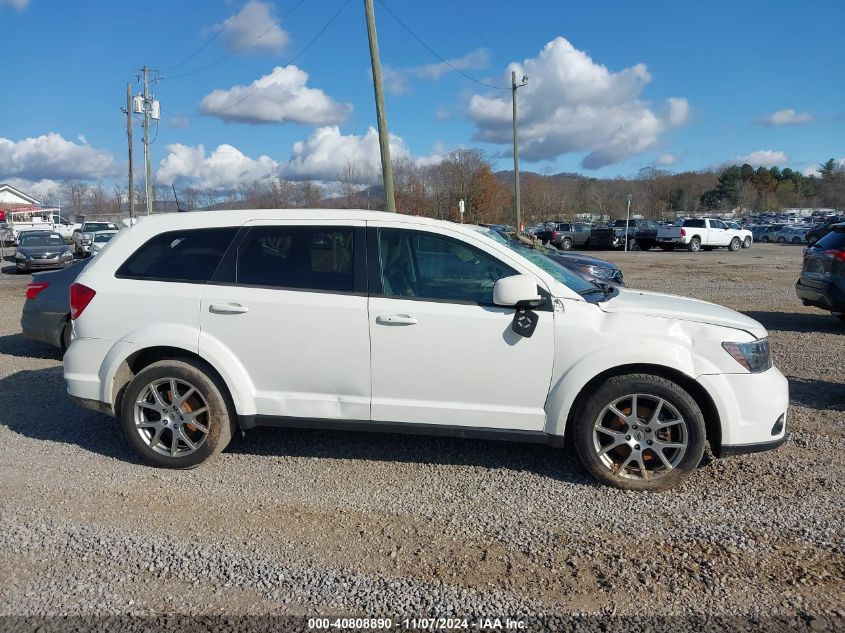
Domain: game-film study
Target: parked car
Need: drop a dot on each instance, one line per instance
(822, 280)
(572, 234)
(788, 234)
(46, 311)
(764, 232)
(641, 235)
(40, 250)
(378, 321)
(83, 237)
(590, 268)
(700, 234)
(745, 234)
(100, 239)
(818, 232)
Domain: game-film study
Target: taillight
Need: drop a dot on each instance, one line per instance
(80, 297)
(835, 254)
(683, 233)
(34, 288)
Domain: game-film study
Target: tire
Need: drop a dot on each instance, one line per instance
(746, 243)
(765, 239)
(566, 244)
(634, 245)
(735, 244)
(796, 240)
(607, 455)
(141, 424)
(694, 245)
(64, 337)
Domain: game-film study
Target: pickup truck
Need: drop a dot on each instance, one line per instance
(47, 222)
(565, 235)
(84, 237)
(641, 235)
(700, 234)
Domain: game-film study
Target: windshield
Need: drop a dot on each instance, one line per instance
(91, 227)
(539, 256)
(103, 237)
(42, 240)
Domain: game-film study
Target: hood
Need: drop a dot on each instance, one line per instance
(658, 304)
(42, 250)
(580, 259)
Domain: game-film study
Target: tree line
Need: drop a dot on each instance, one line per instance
(467, 174)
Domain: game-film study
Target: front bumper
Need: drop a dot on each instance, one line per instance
(750, 407)
(828, 294)
(42, 264)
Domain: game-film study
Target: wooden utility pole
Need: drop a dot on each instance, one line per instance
(514, 87)
(131, 158)
(381, 115)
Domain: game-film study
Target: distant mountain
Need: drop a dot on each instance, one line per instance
(506, 176)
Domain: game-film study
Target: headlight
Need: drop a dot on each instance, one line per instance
(21, 256)
(755, 356)
(67, 255)
(86, 240)
(598, 271)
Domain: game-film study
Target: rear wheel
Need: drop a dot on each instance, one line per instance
(640, 432)
(735, 244)
(695, 245)
(175, 414)
(566, 244)
(796, 240)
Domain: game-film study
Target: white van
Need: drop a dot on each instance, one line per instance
(191, 326)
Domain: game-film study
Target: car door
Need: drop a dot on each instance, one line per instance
(442, 353)
(289, 304)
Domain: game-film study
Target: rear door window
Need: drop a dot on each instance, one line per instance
(835, 240)
(303, 257)
(190, 255)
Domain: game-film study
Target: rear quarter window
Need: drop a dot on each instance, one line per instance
(695, 224)
(191, 255)
(835, 240)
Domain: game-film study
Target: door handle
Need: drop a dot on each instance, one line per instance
(228, 308)
(396, 319)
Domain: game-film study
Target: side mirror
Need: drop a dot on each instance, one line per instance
(517, 291)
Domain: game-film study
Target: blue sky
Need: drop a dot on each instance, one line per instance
(620, 86)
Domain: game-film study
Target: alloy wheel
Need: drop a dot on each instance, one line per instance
(640, 436)
(171, 417)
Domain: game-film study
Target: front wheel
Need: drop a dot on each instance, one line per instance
(640, 432)
(746, 243)
(735, 244)
(175, 414)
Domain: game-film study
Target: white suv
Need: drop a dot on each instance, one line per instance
(190, 326)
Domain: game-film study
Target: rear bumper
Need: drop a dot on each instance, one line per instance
(828, 295)
(45, 327)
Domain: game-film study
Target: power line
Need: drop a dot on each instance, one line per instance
(435, 53)
(273, 25)
(457, 5)
(288, 63)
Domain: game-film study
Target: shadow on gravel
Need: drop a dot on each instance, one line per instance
(53, 417)
(35, 404)
(18, 345)
(817, 394)
(799, 321)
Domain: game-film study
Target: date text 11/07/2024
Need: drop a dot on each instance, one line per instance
(417, 624)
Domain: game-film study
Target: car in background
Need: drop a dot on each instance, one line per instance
(639, 234)
(788, 235)
(764, 232)
(818, 232)
(83, 237)
(697, 234)
(571, 234)
(590, 268)
(822, 280)
(46, 311)
(41, 250)
(100, 239)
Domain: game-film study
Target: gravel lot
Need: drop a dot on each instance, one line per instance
(317, 523)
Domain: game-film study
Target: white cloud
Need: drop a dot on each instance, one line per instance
(811, 170)
(573, 104)
(180, 122)
(760, 158)
(395, 80)
(15, 4)
(51, 156)
(667, 159)
(326, 152)
(255, 26)
(224, 169)
(278, 97)
(476, 59)
(786, 117)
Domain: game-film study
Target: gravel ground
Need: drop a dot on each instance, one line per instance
(292, 523)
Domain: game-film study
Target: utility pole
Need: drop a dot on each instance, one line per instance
(147, 167)
(628, 221)
(381, 115)
(128, 111)
(514, 87)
